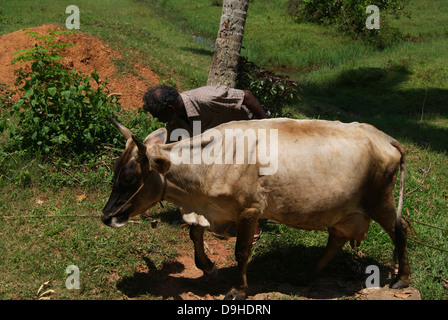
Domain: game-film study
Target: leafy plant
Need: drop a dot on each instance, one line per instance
(273, 91)
(139, 124)
(61, 113)
(350, 16)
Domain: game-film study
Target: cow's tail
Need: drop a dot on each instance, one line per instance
(400, 228)
(402, 151)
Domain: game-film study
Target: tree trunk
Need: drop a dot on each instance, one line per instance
(224, 66)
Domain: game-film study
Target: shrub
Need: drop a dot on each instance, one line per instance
(350, 16)
(61, 113)
(273, 91)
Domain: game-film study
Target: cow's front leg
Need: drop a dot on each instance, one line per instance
(200, 258)
(245, 228)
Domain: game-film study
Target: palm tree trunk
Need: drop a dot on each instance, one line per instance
(224, 66)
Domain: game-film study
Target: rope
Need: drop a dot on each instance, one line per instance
(427, 225)
(427, 245)
(127, 201)
(52, 216)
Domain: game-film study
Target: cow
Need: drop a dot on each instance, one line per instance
(329, 175)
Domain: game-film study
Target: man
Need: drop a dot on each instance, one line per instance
(211, 105)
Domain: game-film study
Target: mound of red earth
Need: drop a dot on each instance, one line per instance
(89, 54)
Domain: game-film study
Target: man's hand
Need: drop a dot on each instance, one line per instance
(253, 105)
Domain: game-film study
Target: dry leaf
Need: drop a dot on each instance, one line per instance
(402, 295)
(47, 292)
(81, 197)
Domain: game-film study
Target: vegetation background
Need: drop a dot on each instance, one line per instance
(50, 208)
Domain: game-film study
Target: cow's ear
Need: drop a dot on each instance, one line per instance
(157, 137)
(160, 164)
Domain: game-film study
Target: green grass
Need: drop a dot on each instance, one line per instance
(47, 229)
(403, 90)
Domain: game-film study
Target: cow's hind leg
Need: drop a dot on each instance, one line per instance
(386, 217)
(200, 258)
(245, 227)
(401, 252)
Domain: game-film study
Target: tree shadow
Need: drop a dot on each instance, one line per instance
(199, 51)
(378, 96)
(267, 273)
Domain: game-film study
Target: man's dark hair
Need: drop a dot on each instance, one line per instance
(156, 99)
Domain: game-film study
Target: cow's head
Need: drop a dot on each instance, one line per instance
(138, 181)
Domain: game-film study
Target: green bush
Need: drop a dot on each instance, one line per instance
(59, 131)
(350, 16)
(273, 91)
(61, 113)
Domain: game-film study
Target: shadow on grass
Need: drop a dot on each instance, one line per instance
(199, 51)
(375, 96)
(268, 273)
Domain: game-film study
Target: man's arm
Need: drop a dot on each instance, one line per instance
(253, 105)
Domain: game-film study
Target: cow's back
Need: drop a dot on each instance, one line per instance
(324, 168)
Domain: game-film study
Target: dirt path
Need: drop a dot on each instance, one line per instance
(181, 280)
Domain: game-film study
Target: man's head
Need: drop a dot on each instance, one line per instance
(162, 102)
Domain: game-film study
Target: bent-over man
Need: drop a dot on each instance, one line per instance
(211, 105)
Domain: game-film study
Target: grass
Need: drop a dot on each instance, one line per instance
(403, 90)
(51, 229)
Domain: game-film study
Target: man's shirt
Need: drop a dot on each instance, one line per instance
(212, 106)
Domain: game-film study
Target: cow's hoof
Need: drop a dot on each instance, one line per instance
(399, 283)
(213, 274)
(234, 294)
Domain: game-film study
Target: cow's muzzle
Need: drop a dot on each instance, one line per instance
(115, 221)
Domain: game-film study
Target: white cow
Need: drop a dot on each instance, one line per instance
(306, 174)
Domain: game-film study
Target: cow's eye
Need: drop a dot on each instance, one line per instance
(129, 179)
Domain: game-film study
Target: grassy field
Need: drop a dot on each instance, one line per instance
(50, 217)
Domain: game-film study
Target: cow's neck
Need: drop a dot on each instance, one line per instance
(182, 182)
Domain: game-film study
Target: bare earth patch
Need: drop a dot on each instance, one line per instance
(181, 280)
(88, 55)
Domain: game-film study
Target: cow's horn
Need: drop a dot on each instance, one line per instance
(140, 145)
(124, 131)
